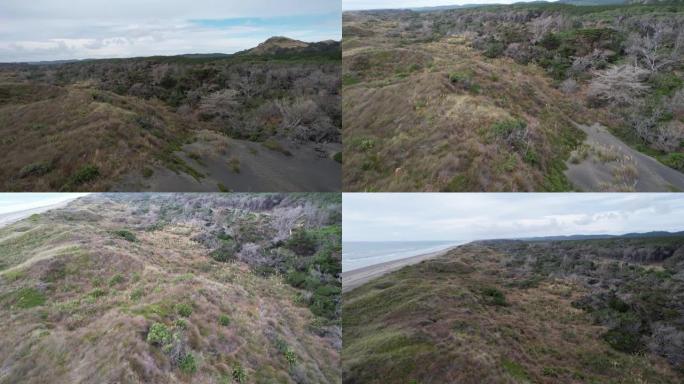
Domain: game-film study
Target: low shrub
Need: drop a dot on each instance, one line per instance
(273, 145)
(29, 298)
(126, 235)
(85, 174)
(35, 169)
(116, 279)
(494, 296)
(159, 334)
(224, 320)
(187, 364)
(239, 374)
(183, 309)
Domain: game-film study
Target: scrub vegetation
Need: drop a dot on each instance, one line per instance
(84, 300)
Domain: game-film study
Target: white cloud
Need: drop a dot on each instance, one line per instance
(78, 29)
(465, 216)
(402, 4)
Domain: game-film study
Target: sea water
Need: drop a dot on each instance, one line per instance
(359, 254)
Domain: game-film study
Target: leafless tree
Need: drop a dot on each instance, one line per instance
(618, 85)
(658, 49)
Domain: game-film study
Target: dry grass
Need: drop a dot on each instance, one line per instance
(62, 129)
(102, 293)
(432, 131)
(435, 323)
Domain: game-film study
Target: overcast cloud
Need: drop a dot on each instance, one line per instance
(13, 202)
(61, 29)
(402, 4)
(464, 216)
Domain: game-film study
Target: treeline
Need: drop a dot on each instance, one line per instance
(288, 95)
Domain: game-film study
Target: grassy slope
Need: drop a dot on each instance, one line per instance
(61, 130)
(78, 299)
(408, 125)
(468, 317)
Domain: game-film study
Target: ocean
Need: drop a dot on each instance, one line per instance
(359, 254)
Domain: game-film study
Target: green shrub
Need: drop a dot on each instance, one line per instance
(674, 160)
(126, 235)
(234, 164)
(239, 374)
(85, 174)
(181, 324)
(97, 292)
(222, 187)
(338, 157)
(273, 145)
(137, 294)
(291, 357)
(302, 242)
(665, 83)
(624, 338)
(494, 296)
(147, 172)
(187, 364)
(493, 49)
(511, 131)
(226, 251)
(224, 320)
(35, 169)
(29, 298)
(116, 279)
(183, 309)
(158, 334)
(296, 278)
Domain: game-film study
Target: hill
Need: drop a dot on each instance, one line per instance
(174, 288)
(590, 311)
(246, 122)
(521, 97)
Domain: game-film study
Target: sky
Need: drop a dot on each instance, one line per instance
(45, 30)
(401, 4)
(475, 216)
(13, 202)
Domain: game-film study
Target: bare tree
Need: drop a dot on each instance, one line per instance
(657, 49)
(618, 85)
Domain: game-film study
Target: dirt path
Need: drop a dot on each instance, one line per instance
(357, 277)
(605, 163)
(244, 166)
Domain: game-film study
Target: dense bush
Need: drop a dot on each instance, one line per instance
(158, 334)
(183, 309)
(126, 235)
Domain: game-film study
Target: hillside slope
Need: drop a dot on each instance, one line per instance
(492, 98)
(173, 288)
(121, 124)
(589, 311)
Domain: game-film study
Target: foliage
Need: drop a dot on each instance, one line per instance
(183, 309)
(159, 334)
(126, 235)
(224, 320)
(187, 364)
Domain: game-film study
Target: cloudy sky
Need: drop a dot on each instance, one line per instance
(13, 202)
(397, 4)
(462, 216)
(38, 30)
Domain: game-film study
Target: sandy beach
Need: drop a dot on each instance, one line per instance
(357, 277)
(12, 217)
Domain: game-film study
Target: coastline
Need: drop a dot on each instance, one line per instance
(357, 277)
(12, 217)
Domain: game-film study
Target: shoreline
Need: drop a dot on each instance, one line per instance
(13, 217)
(357, 277)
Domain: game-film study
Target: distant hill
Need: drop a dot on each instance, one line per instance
(606, 236)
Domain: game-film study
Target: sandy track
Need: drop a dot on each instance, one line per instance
(592, 175)
(358, 277)
(309, 168)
